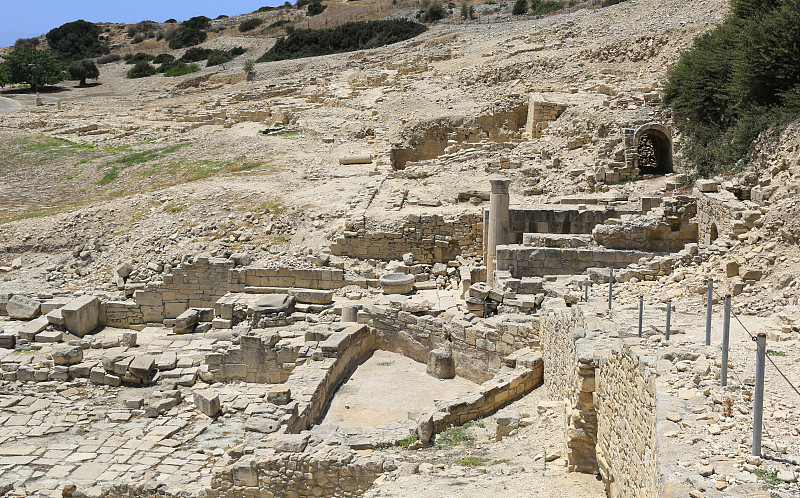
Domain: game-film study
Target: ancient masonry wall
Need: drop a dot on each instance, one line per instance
(522, 261)
(540, 114)
(723, 210)
(431, 238)
(201, 283)
(609, 394)
(478, 351)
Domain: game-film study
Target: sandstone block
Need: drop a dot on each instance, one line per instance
(311, 296)
(56, 318)
(67, 355)
(7, 339)
(186, 321)
(23, 308)
(49, 336)
(142, 365)
(81, 315)
(731, 269)
(279, 395)
(261, 425)
(441, 364)
(707, 185)
(30, 329)
(207, 401)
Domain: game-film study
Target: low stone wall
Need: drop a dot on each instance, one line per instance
(721, 214)
(201, 283)
(478, 350)
(564, 219)
(508, 385)
(430, 238)
(258, 358)
(540, 114)
(522, 261)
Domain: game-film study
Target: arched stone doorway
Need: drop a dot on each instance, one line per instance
(653, 150)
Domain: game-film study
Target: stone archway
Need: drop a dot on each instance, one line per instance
(714, 233)
(653, 144)
(653, 150)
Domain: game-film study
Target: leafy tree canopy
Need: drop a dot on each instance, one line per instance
(82, 70)
(33, 67)
(76, 40)
(737, 81)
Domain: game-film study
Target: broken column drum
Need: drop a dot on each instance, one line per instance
(498, 222)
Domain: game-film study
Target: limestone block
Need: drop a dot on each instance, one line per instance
(53, 304)
(750, 274)
(142, 365)
(7, 339)
(207, 401)
(124, 270)
(357, 159)
(240, 258)
(279, 395)
(147, 298)
(262, 425)
(310, 296)
(30, 329)
(96, 375)
(49, 336)
(67, 355)
(731, 268)
(441, 364)
(56, 318)
(23, 308)
(4, 297)
(82, 315)
(186, 321)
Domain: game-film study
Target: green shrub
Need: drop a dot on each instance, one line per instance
(179, 68)
(737, 81)
(141, 70)
(278, 24)
(140, 57)
(431, 12)
(162, 58)
(217, 57)
(344, 38)
(467, 11)
(190, 32)
(237, 51)
(520, 7)
(250, 24)
(542, 7)
(316, 7)
(196, 54)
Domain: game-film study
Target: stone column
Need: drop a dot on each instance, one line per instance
(498, 223)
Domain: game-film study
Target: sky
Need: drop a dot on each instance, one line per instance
(26, 18)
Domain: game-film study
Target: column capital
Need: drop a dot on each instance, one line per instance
(500, 185)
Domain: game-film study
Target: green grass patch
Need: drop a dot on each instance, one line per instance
(289, 134)
(772, 352)
(501, 461)
(769, 476)
(405, 443)
(471, 461)
(455, 436)
(115, 167)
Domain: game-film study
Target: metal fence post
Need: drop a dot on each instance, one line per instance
(641, 312)
(726, 329)
(758, 401)
(669, 319)
(610, 286)
(708, 311)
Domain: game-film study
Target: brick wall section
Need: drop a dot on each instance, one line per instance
(722, 209)
(431, 238)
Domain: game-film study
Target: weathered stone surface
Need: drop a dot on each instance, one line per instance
(142, 365)
(82, 315)
(279, 395)
(397, 283)
(49, 336)
(311, 296)
(23, 308)
(67, 355)
(30, 329)
(186, 321)
(207, 401)
(441, 363)
(262, 425)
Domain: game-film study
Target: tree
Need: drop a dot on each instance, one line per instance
(520, 7)
(76, 40)
(4, 78)
(26, 42)
(34, 67)
(83, 70)
(316, 7)
(142, 69)
(250, 69)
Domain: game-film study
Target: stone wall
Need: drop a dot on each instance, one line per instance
(559, 219)
(258, 358)
(728, 215)
(201, 283)
(626, 423)
(478, 350)
(540, 114)
(609, 392)
(522, 261)
(431, 238)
